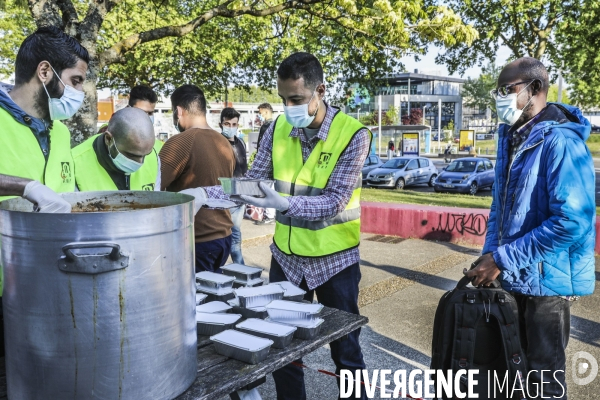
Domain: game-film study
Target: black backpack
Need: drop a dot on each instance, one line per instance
(478, 328)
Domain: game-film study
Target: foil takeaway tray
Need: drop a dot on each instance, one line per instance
(214, 307)
(258, 296)
(213, 283)
(252, 283)
(241, 346)
(292, 292)
(254, 312)
(248, 187)
(293, 312)
(241, 272)
(210, 324)
(280, 334)
(200, 298)
(306, 331)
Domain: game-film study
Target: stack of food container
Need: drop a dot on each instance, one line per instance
(244, 275)
(303, 316)
(217, 287)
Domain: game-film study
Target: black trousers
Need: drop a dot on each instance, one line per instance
(545, 324)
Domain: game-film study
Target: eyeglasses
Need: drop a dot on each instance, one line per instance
(504, 91)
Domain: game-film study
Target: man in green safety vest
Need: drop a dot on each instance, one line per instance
(49, 73)
(124, 157)
(315, 155)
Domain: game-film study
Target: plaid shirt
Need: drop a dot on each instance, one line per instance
(332, 201)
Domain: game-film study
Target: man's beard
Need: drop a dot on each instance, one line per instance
(41, 99)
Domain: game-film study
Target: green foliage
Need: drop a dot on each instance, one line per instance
(526, 27)
(579, 56)
(553, 94)
(250, 94)
(15, 24)
(390, 117)
(476, 92)
(450, 127)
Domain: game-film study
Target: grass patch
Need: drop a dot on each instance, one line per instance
(429, 199)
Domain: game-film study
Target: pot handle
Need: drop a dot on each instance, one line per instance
(92, 263)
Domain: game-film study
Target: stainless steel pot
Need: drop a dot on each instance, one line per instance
(100, 305)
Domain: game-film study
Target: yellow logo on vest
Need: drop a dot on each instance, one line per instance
(65, 172)
(149, 187)
(324, 160)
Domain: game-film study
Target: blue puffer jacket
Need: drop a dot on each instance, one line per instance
(541, 228)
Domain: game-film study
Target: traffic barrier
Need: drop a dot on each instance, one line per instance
(444, 224)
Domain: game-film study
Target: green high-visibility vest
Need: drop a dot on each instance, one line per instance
(293, 177)
(21, 155)
(91, 176)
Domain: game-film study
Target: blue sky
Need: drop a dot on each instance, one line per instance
(427, 62)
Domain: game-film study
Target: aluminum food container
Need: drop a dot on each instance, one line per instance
(200, 298)
(213, 307)
(307, 331)
(213, 283)
(253, 283)
(280, 334)
(241, 346)
(241, 272)
(211, 324)
(292, 292)
(258, 296)
(248, 187)
(254, 312)
(222, 297)
(293, 312)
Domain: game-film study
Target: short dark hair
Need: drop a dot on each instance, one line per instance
(302, 65)
(229, 113)
(531, 68)
(190, 98)
(142, 93)
(48, 44)
(265, 106)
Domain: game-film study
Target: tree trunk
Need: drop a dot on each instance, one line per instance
(84, 124)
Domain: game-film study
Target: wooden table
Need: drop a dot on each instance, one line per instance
(218, 375)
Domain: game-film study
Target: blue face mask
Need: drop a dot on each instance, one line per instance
(229, 132)
(507, 109)
(298, 116)
(123, 163)
(67, 105)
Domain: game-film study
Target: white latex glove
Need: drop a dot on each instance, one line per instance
(272, 199)
(45, 199)
(200, 197)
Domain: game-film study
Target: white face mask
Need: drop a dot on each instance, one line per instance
(67, 105)
(124, 164)
(152, 119)
(229, 132)
(298, 116)
(507, 110)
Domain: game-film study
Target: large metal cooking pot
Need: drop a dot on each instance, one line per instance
(99, 303)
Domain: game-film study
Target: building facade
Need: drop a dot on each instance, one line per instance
(413, 90)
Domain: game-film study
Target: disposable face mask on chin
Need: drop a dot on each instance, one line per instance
(298, 116)
(229, 132)
(123, 163)
(507, 109)
(67, 105)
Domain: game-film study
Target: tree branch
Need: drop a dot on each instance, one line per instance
(45, 13)
(114, 54)
(69, 16)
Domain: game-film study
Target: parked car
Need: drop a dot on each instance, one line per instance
(400, 172)
(595, 128)
(371, 162)
(465, 175)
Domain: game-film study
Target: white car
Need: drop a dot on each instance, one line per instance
(403, 171)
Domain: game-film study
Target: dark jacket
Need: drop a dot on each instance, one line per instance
(241, 160)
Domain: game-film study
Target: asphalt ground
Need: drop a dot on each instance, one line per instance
(402, 282)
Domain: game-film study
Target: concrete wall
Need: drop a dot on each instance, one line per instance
(446, 224)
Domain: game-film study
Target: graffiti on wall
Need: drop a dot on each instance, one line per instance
(452, 224)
